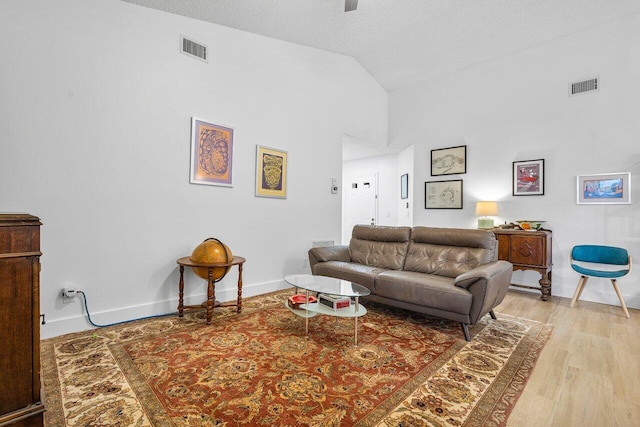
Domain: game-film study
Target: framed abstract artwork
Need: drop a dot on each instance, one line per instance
(606, 188)
(271, 172)
(449, 161)
(528, 178)
(443, 194)
(404, 186)
(211, 153)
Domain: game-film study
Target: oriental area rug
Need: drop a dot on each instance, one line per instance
(258, 368)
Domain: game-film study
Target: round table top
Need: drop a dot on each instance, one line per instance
(187, 262)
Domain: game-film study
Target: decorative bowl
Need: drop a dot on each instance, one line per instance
(530, 225)
(295, 301)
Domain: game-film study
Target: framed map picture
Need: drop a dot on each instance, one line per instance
(449, 161)
(211, 153)
(271, 172)
(528, 178)
(443, 194)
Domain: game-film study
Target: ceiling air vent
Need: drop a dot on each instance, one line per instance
(585, 86)
(193, 49)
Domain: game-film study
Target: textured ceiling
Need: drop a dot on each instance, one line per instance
(401, 42)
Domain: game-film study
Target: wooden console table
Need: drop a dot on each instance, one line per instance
(527, 250)
(211, 295)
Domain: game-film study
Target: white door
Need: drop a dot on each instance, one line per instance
(361, 202)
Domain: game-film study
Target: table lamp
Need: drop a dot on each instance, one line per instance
(485, 209)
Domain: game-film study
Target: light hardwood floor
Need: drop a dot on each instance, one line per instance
(589, 371)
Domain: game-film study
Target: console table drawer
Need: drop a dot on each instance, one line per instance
(527, 250)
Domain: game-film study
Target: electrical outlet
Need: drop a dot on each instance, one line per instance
(69, 292)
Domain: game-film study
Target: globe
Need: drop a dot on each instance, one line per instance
(211, 251)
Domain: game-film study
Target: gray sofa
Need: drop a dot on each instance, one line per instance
(445, 272)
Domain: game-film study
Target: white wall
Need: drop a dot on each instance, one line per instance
(517, 108)
(95, 139)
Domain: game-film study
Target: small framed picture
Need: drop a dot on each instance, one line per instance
(449, 161)
(404, 186)
(606, 188)
(271, 172)
(443, 194)
(528, 178)
(211, 153)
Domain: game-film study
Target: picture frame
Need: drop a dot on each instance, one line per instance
(211, 153)
(528, 178)
(449, 161)
(404, 186)
(443, 194)
(271, 172)
(604, 189)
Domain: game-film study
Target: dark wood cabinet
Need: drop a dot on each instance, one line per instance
(21, 403)
(527, 250)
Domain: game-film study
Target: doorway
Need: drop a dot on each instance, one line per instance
(361, 202)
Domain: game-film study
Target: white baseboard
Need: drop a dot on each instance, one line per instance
(61, 326)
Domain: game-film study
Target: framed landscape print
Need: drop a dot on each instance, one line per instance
(443, 194)
(528, 178)
(211, 153)
(607, 188)
(271, 172)
(449, 161)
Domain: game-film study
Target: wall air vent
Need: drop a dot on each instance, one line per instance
(322, 243)
(585, 86)
(194, 49)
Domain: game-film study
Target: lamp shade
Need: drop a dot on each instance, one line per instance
(486, 208)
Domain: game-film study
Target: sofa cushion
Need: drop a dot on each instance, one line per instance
(449, 252)
(357, 273)
(424, 289)
(379, 246)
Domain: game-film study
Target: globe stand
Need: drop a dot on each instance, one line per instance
(210, 303)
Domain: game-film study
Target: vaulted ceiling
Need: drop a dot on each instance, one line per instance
(401, 42)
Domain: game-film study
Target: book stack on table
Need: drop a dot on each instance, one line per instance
(335, 302)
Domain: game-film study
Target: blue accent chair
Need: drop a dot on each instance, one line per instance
(608, 262)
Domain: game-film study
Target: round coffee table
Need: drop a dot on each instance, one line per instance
(331, 286)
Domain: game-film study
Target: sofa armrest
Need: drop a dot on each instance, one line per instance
(485, 271)
(489, 283)
(329, 253)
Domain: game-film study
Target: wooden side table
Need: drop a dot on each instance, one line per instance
(527, 250)
(211, 296)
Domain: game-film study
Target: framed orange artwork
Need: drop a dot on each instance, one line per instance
(211, 153)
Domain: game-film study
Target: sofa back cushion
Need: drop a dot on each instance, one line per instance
(379, 246)
(449, 252)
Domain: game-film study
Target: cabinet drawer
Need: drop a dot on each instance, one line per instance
(19, 239)
(527, 250)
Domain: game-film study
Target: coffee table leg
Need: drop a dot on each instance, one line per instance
(306, 318)
(356, 324)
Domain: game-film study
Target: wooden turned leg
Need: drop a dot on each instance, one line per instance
(181, 292)
(239, 288)
(210, 295)
(545, 287)
(579, 288)
(614, 282)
